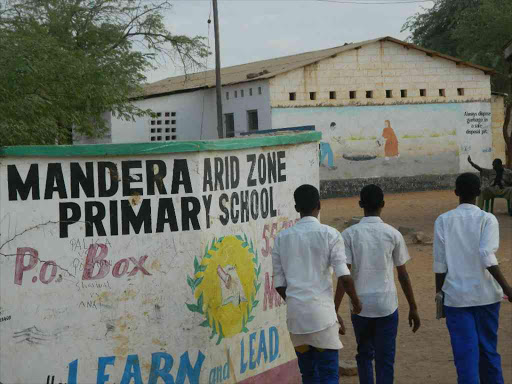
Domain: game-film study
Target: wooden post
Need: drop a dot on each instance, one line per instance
(218, 83)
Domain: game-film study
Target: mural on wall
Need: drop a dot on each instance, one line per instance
(395, 140)
(226, 285)
(146, 268)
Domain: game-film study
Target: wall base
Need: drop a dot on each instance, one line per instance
(287, 373)
(352, 187)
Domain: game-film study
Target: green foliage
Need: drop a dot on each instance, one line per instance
(474, 30)
(65, 64)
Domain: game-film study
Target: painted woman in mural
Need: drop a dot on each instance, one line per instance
(326, 150)
(391, 145)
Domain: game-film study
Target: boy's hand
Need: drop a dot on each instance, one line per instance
(356, 307)
(342, 330)
(414, 319)
(508, 293)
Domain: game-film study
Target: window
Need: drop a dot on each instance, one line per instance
(369, 94)
(460, 91)
(403, 93)
(250, 91)
(423, 92)
(293, 96)
(352, 94)
(174, 137)
(242, 93)
(236, 94)
(259, 90)
(389, 94)
(252, 120)
(312, 95)
(160, 130)
(227, 95)
(442, 93)
(229, 119)
(332, 95)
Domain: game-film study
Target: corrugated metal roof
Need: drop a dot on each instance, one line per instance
(269, 68)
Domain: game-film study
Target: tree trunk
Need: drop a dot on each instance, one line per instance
(507, 135)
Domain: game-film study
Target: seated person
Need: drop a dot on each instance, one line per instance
(495, 182)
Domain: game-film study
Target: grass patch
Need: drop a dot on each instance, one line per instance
(373, 138)
(411, 137)
(453, 132)
(357, 138)
(435, 135)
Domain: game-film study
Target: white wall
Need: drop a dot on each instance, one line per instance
(433, 139)
(78, 306)
(240, 105)
(193, 109)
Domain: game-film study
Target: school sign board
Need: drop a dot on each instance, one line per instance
(147, 263)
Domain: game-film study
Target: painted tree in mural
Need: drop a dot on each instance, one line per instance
(474, 30)
(64, 63)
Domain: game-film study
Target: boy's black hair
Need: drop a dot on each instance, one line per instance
(307, 198)
(497, 162)
(467, 186)
(372, 197)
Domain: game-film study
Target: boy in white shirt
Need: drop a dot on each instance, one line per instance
(466, 240)
(373, 249)
(303, 258)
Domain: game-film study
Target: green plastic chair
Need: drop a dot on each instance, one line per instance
(491, 203)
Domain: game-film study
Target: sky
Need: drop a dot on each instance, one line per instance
(252, 30)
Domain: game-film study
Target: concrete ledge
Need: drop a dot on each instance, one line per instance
(352, 187)
(287, 373)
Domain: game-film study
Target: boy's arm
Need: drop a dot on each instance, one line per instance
(489, 244)
(495, 271)
(405, 282)
(278, 272)
(400, 257)
(478, 168)
(440, 266)
(338, 259)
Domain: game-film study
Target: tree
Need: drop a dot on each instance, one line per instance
(434, 27)
(64, 63)
(475, 31)
(481, 37)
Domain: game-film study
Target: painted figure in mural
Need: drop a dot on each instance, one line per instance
(302, 258)
(391, 141)
(495, 182)
(373, 250)
(326, 150)
(469, 279)
(232, 291)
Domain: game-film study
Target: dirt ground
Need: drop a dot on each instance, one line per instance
(424, 357)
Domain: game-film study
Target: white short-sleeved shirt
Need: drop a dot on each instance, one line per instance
(374, 248)
(466, 240)
(303, 259)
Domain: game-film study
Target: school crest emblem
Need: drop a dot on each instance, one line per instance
(225, 285)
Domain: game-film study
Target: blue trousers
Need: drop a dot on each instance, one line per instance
(474, 337)
(318, 366)
(376, 339)
(326, 151)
